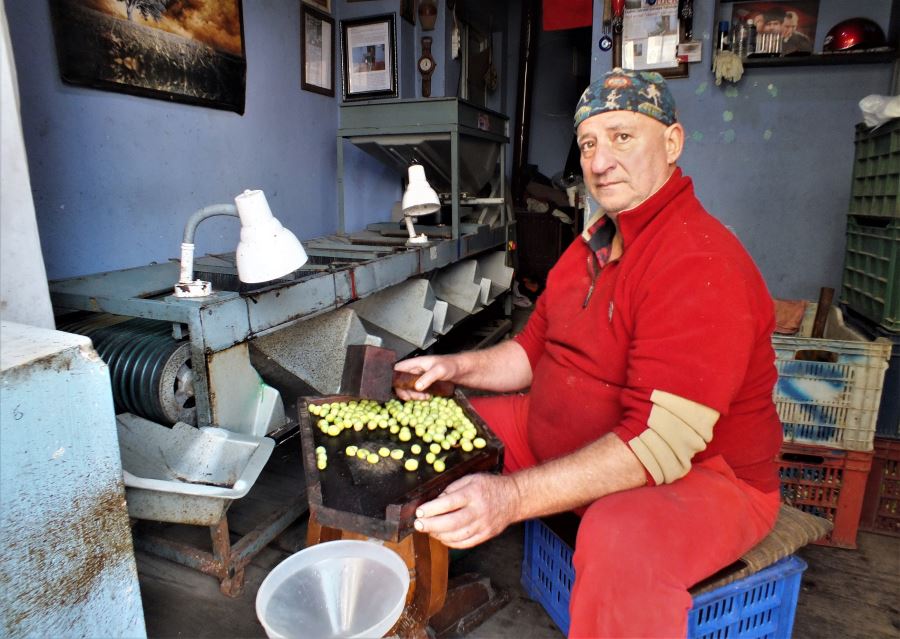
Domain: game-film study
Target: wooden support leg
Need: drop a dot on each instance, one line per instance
(471, 600)
(427, 560)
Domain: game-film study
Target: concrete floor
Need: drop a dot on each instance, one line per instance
(852, 594)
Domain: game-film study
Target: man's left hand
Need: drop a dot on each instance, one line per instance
(470, 511)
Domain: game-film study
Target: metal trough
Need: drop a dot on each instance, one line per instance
(184, 474)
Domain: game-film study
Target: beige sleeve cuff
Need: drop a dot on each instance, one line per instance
(678, 428)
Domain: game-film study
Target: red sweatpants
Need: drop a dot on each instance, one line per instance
(638, 551)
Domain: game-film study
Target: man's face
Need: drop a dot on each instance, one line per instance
(788, 27)
(626, 157)
(772, 26)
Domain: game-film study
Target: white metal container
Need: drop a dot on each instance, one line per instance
(184, 474)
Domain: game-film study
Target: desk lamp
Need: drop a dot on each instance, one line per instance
(418, 199)
(266, 251)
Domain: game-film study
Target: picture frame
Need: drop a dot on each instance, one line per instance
(321, 5)
(794, 21)
(408, 11)
(317, 55)
(651, 33)
(154, 50)
(369, 58)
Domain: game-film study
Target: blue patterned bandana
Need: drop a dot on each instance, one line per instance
(623, 90)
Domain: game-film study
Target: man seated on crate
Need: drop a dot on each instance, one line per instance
(651, 369)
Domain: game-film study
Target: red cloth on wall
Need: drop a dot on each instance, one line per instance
(567, 14)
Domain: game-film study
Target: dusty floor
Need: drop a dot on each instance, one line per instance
(852, 594)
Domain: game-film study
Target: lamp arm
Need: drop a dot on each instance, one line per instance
(187, 243)
(194, 220)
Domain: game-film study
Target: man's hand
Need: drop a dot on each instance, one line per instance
(470, 511)
(431, 368)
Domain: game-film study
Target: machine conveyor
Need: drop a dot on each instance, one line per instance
(227, 389)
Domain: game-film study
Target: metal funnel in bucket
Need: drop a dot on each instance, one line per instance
(334, 589)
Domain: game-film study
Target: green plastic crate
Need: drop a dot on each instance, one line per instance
(871, 286)
(876, 171)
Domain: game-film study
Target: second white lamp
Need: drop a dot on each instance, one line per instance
(418, 199)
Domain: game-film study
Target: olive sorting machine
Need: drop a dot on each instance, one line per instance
(240, 357)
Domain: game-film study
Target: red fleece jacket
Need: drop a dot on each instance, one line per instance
(684, 310)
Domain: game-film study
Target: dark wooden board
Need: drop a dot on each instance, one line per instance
(380, 499)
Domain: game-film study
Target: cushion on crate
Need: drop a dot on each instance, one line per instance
(793, 529)
(789, 315)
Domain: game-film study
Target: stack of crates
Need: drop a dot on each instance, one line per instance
(871, 299)
(827, 396)
(871, 285)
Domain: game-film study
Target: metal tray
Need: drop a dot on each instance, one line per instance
(380, 500)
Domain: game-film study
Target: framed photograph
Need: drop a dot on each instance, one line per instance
(317, 59)
(369, 58)
(408, 11)
(322, 5)
(791, 23)
(651, 33)
(180, 52)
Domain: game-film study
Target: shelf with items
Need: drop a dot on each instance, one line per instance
(888, 53)
(822, 59)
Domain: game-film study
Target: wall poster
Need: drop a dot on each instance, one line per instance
(179, 50)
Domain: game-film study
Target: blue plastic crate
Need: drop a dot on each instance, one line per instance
(755, 607)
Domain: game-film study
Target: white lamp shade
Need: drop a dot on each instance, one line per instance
(419, 198)
(267, 250)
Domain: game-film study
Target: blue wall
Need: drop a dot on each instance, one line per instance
(115, 176)
(772, 155)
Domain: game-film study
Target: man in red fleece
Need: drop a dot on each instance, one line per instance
(649, 369)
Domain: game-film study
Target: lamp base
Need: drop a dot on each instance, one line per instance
(197, 288)
(417, 240)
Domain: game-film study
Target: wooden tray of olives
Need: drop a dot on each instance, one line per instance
(369, 465)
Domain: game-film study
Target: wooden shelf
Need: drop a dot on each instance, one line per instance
(824, 59)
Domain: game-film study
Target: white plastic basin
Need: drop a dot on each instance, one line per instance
(334, 589)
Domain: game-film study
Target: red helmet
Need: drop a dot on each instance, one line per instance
(855, 33)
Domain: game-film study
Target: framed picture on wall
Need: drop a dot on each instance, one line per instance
(651, 33)
(322, 5)
(180, 52)
(369, 58)
(317, 59)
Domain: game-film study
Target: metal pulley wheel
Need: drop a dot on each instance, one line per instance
(150, 371)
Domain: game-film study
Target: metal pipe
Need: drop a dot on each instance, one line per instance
(196, 217)
(185, 286)
(482, 200)
(527, 64)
